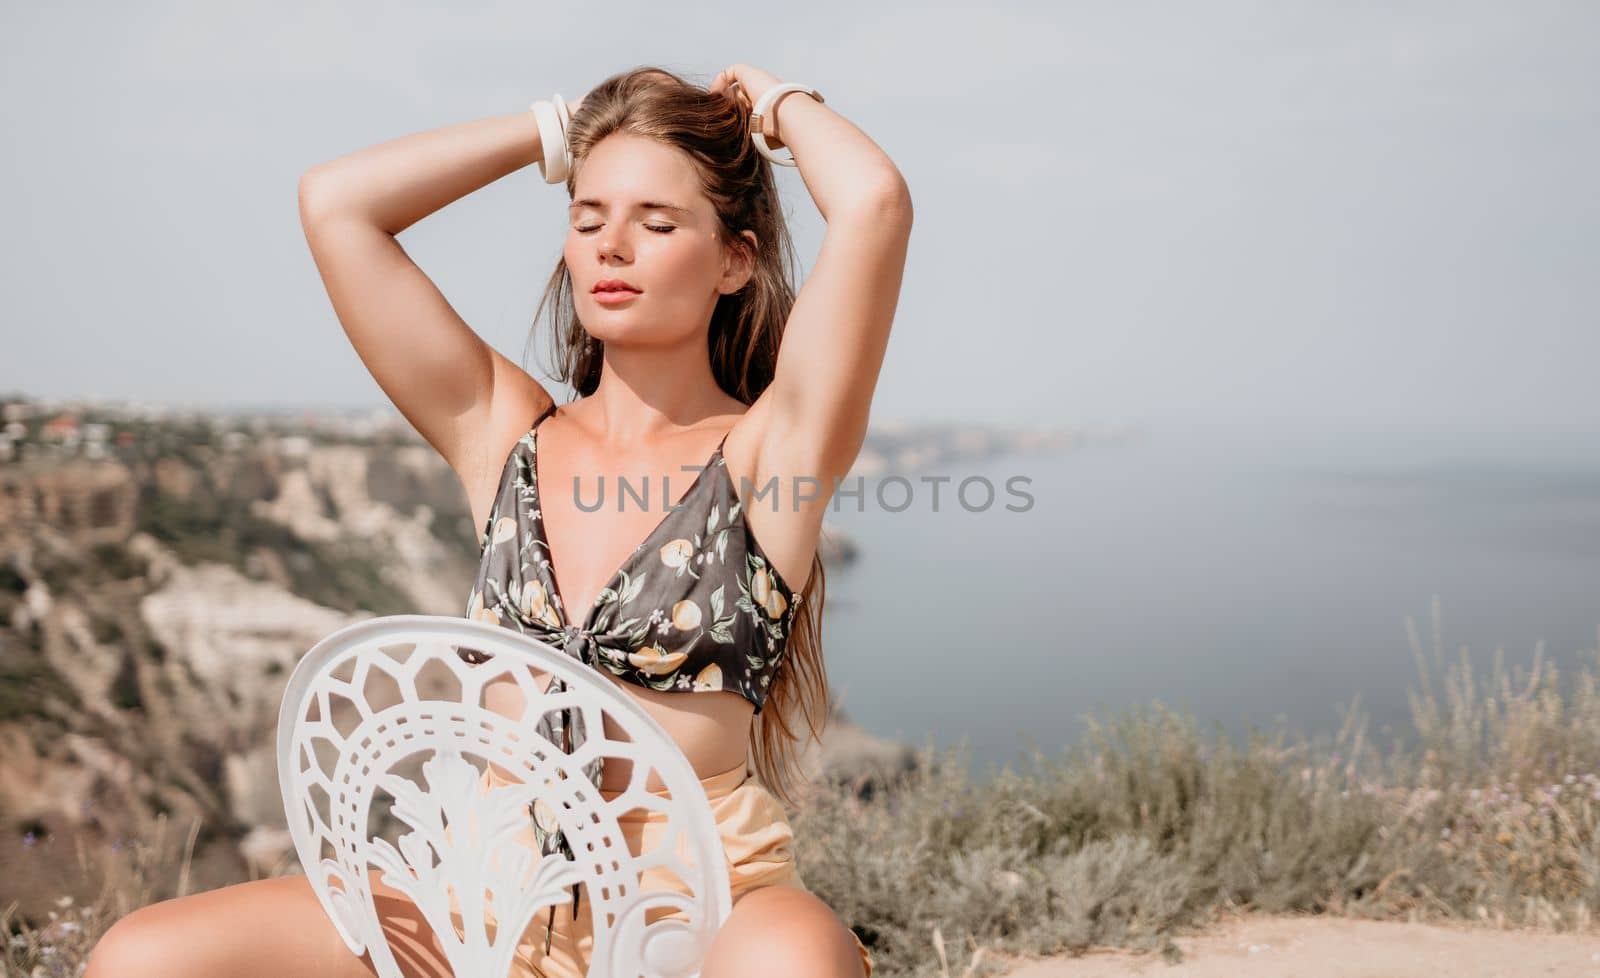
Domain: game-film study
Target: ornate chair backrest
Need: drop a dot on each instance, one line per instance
(385, 695)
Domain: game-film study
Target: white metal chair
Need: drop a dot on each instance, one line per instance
(384, 695)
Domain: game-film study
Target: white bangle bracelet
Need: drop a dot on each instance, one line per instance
(566, 119)
(764, 107)
(556, 157)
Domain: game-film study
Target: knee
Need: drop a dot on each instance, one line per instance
(130, 948)
(795, 948)
(784, 933)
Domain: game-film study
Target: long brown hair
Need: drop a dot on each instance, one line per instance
(746, 328)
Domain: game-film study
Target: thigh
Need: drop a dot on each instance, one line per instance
(757, 847)
(263, 928)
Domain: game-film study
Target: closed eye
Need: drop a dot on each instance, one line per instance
(663, 229)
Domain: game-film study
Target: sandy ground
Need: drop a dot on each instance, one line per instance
(1330, 947)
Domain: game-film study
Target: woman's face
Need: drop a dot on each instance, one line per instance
(639, 216)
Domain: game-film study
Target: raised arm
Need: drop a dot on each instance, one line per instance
(815, 418)
(461, 395)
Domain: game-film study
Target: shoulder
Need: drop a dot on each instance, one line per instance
(511, 413)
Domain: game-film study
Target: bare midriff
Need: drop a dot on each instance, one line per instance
(711, 728)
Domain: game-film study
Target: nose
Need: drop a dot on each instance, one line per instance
(610, 244)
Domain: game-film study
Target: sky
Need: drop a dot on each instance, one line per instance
(1365, 215)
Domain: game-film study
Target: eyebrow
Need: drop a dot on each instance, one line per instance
(647, 205)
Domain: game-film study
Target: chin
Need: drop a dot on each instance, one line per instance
(612, 331)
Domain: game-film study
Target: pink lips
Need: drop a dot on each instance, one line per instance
(615, 296)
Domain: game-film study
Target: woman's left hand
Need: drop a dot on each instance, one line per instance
(747, 84)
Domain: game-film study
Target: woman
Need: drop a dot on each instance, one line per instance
(705, 361)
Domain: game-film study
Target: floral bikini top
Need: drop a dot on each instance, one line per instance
(696, 607)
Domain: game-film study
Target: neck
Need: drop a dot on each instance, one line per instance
(645, 395)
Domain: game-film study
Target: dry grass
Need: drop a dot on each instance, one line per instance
(1147, 829)
(129, 877)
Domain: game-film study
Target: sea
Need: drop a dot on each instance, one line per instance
(1253, 579)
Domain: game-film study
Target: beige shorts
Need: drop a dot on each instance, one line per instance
(755, 835)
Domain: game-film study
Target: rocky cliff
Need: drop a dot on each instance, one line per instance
(152, 605)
